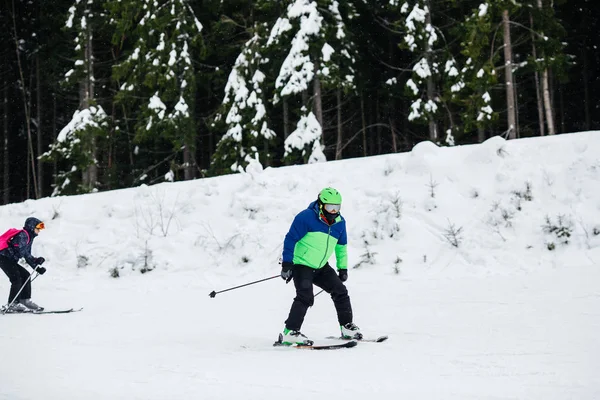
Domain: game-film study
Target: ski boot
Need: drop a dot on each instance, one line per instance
(289, 338)
(351, 331)
(15, 308)
(30, 305)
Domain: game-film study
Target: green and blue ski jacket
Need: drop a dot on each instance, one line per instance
(311, 241)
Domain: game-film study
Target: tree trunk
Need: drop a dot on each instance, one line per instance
(112, 175)
(6, 165)
(364, 124)
(546, 91)
(189, 151)
(481, 134)
(379, 140)
(510, 94)
(40, 150)
(211, 145)
(408, 142)
(318, 104)
(90, 175)
(372, 130)
(267, 162)
(55, 136)
(562, 108)
(338, 144)
(26, 108)
(540, 104)
(392, 45)
(586, 88)
(433, 130)
(188, 169)
(318, 109)
(393, 132)
(548, 103)
(286, 118)
(516, 97)
(130, 144)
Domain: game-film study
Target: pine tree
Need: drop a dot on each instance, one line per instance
(484, 37)
(76, 147)
(435, 79)
(321, 53)
(548, 55)
(248, 133)
(157, 79)
(479, 73)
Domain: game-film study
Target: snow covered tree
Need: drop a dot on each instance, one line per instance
(479, 73)
(77, 144)
(547, 55)
(157, 79)
(435, 74)
(486, 35)
(319, 52)
(248, 133)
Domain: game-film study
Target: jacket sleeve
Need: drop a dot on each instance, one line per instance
(341, 250)
(21, 247)
(297, 231)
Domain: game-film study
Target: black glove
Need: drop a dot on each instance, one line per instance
(39, 260)
(41, 270)
(287, 271)
(343, 274)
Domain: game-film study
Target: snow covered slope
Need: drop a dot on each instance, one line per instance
(481, 262)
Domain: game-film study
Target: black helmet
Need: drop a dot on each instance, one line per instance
(31, 223)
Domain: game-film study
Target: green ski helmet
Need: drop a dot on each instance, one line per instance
(330, 195)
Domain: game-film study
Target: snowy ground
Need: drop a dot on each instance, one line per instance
(498, 317)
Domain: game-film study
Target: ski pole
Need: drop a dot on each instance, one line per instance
(213, 293)
(22, 287)
(321, 291)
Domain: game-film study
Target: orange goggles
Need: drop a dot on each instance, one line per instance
(40, 226)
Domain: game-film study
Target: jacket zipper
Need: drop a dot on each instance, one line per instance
(328, 236)
(326, 247)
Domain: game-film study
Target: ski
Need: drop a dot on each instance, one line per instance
(372, 340)
(346, 345)
(69, 310)
(66, 311)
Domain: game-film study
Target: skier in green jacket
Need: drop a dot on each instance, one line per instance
(314, 235)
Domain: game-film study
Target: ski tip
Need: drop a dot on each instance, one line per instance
(279, 341)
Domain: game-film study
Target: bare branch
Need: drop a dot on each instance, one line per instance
(361, 130)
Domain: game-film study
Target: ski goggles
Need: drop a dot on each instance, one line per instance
(40, 226)
(332, 208)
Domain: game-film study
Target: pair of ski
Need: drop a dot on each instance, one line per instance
(66, 311)
(346, 345)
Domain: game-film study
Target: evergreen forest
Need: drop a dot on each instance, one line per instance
(99, 95)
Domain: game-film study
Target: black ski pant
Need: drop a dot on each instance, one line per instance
(18, 276)
(325, 278)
